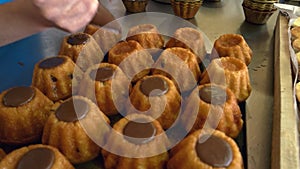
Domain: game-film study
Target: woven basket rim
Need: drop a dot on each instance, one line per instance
(186, 4)
(265, 11)
(187, 1)
(258, 6)
(264, 2)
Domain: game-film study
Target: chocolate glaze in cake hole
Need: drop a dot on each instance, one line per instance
(102, 74)
(41, 158)
(215, 152)
(51, 62)
(18, 96)
(138, 132)
(154, 86)
(78, 39)
(213, 95)
(72, 110)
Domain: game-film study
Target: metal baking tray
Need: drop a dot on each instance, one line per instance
(29, 51)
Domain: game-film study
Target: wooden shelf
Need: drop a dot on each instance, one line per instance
(285, 144)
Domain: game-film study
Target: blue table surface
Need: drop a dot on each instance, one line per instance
(4, 1)
(18, 58)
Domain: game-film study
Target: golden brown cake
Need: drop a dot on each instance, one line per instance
(23, 113)
(203, 149)
(139, 142)
(56, 77)
(189, 38)
(215, 102)
(230, 72)
(2, 154)
(147, 35)
(106, 36)
(110, 84)
(132, 58)
(91, 29)
(184, 70)
(82, 49)
(296, 45)
(156, 96)
(69, 126)
(35, 156)
(232, 45)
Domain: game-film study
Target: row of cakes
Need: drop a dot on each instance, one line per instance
(46, 105)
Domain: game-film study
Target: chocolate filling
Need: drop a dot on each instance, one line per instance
(102, 74)
(213, 95)
(41, 158)
(139, 133)
(72, 110)
(215, 152)
(154, 85)
(78, 39)
(51, 62)
(18, 96)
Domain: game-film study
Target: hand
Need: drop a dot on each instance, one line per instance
(70, 15)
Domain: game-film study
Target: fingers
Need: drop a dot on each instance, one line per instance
(70, 15)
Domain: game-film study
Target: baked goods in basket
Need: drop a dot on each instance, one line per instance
(23, 113)
(101, 77)
(232, 45)
(297, 90)
(189, 38)
(296, 45)
(295, 33)
(82, 49)
(298, 58)
(218, 107)
(296, 23)
(56, 77)
(147, 35)
(36, 156)
(156, 96)
(132, 58)
(180, 65)
(230, 72)
(141, 139)
(203, 149)
(68, 126)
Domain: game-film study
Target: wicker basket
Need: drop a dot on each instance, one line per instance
(257, 17)
(135, 6)
(266, 1)
(261, 6)
(186, 9)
